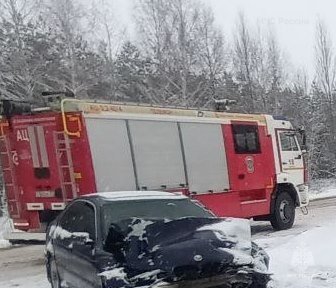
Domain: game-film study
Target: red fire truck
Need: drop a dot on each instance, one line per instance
(238, 165)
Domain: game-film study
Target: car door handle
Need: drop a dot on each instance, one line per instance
(298, 157)
(284, 163)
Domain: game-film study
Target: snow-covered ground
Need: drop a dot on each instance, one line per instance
(322, 189)
(4, 228)
(23, 267)
(305, 260)
(302, 257)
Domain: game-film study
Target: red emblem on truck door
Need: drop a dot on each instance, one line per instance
(249, 161)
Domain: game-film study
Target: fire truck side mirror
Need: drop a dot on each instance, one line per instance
(301, 131)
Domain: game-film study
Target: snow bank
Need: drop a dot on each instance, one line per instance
(4, 243)
(323, 188)
(34, 281)
(5, 228)
(304, 261)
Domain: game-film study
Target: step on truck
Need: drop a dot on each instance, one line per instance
(238, 165)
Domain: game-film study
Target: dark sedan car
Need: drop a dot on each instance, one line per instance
(150, 239)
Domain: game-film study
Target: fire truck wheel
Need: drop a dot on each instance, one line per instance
(284, 212)
(54, 277)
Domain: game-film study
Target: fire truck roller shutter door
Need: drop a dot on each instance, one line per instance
(158, 154)
(205, 157)
(33, 146)
(39, 152)
(111, 154)
(42, 146)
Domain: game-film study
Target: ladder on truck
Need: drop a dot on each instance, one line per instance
(8, 157)
(65, 166)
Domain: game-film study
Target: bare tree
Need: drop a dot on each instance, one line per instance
(186, 48)
(153, 25)
(105, 27)
(257, 66)
(274, 75)
(19, 75)
(19, 10)
(213, 54)
(175, 41)
(108, 35)
(325, 73)
(325, 62)
(66, 16)
(243, 58)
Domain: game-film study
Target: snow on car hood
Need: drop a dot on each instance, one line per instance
(233, 229)
(237, 231)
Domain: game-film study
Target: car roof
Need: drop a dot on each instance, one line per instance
(135, 195)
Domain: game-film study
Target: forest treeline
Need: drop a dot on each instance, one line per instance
(178, 56)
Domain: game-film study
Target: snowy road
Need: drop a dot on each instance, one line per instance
(304, 256)
(298, 257)
(320, 213)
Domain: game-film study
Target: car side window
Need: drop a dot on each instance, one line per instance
(80, 217)
(288, 142)
(67, 220)
(246, 139)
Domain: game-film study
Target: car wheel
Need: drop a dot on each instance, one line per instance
(284, 212)
(54, 277)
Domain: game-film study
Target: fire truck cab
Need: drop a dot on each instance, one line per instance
(238, 165)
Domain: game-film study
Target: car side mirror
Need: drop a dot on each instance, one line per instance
(301, 131)
(84, 240)
(89, 242)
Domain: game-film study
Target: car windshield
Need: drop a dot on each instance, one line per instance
(118, 212)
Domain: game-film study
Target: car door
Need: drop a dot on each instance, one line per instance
(62, 243)
(83, 257)
(250, 158)
(291, 156)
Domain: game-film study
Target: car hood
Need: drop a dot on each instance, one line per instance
(184, 249)
(187, 238)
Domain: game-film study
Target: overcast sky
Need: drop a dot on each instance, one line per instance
(293, 20)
